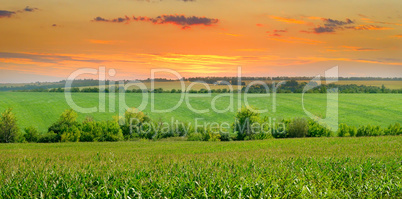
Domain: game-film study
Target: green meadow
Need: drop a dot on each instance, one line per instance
(42, 109)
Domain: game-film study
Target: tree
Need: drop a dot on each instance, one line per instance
(67, 124)
(31, 134)
(133, 119)
(245, 118)
(8, 127)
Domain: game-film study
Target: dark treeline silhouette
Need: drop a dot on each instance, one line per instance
(291, 86)
(43, 86)
(295, 87)
(214, 80)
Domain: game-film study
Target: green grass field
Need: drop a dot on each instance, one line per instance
(42, 109)
(369, 167)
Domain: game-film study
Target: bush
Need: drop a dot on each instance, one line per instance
(134, 118)
(345, 130)
(225, 136)
(279, 131)
(91, 131)
(100, 131)
(31, 134)
(395, 129)
(297, 128)
(214, 137)
(9, 131)
(262, 136)
(369, 130)
(317, 130)
(48, 137)
(71, 134)
(195, 137)
(112, 132)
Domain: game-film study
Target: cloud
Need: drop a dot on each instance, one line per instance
(368, 27)
(298, 40)
(179, 20)
(314, 18)
(280, 31)
(275, 35)
(355, 48)
(350, 48)
(334, 23)
(329, 26)
(287, 20)
(360, 60)
(29, 9)
(231, 34)
(117, 20)
(368, 20)
(6, 13)
(45, 58)
(323, 29)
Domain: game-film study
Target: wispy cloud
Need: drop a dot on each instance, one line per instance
(29, 9)
(368, 20)
(45, 57)
(8, 13)
(276, 33)
(330, 25)
(368, 27)
(180, 20)
(351, 48)
(231, 34)
(287, 20)
(298, 40)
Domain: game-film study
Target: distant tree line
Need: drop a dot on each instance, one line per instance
(212, 80)
(291, 86)
(46, 86)
(43, 86)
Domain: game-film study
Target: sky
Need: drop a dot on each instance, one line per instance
(45, 40)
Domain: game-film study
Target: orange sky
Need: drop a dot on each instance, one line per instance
(48, 40)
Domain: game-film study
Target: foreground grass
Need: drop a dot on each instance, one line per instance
(324, 167)
(42, 109)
